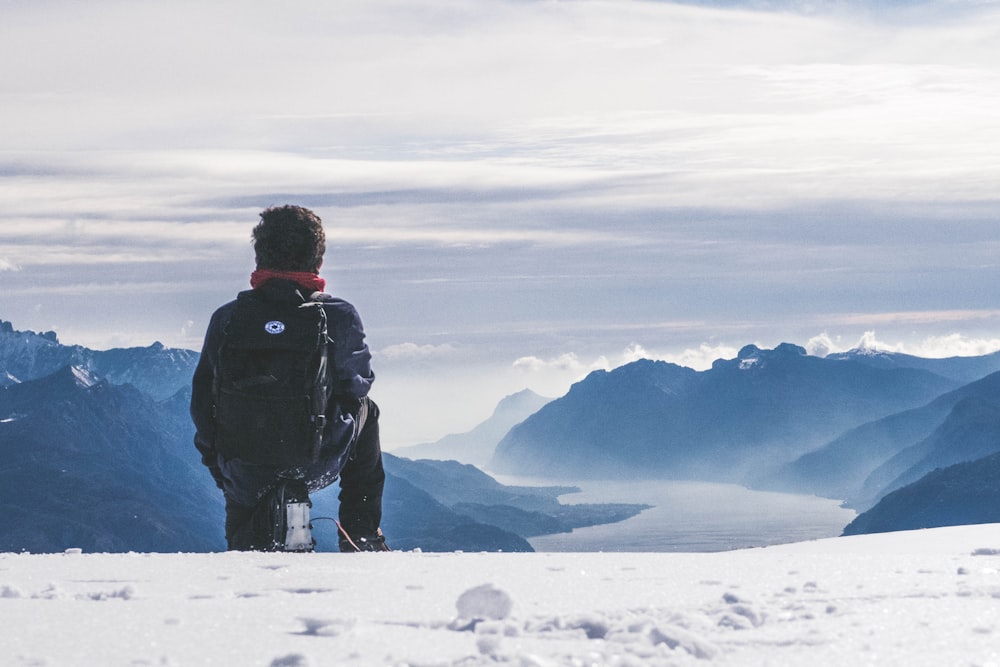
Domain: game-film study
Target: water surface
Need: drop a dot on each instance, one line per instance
(698, 517)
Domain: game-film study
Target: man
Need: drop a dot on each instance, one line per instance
(264, 455)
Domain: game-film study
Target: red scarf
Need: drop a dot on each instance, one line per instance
(307, 279)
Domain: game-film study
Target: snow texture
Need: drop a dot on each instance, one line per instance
(919, 598)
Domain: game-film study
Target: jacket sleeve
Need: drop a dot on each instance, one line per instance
(202, 397)
(352, 369)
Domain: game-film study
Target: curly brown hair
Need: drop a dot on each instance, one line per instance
(289, 238)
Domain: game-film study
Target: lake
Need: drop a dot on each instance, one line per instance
(697, 517)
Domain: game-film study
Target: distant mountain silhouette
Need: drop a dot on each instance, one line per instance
(860, 465)
(964, 493)
(960, 369)
(736, 422)
(477, 446)
(155, 370)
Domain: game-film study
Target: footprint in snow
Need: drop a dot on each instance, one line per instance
(319, 627)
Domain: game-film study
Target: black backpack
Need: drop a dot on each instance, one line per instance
(271, 383)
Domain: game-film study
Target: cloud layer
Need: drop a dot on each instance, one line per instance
(510, 185)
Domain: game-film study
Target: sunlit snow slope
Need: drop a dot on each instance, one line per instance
(927, 597)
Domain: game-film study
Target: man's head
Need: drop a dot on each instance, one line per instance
(289, 238)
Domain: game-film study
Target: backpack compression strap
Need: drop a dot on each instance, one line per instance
(320, 388)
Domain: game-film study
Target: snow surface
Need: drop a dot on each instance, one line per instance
(918, 598)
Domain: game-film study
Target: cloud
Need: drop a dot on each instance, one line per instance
(187, 329)
(931, 347)
(564, 363)
(571, 185)
(634, 352)
(406, 352)
(701, 357)
(698, 358)
(818, 97)
(821, 345)
(487, 144)
(935, 347)
(919, 316)
(553, 376)
(955, 345)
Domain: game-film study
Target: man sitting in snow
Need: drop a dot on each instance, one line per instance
(280, 398)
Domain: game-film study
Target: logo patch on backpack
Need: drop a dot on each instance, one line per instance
(274, 327)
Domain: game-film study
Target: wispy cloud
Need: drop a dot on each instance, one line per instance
(406, 352)
(917, 317)
(568, 362)
(569, 367)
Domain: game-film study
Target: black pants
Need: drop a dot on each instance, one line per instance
(361, 482)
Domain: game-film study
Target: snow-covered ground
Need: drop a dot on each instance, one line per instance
(919, 598)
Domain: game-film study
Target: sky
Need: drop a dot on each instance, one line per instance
(515, 192)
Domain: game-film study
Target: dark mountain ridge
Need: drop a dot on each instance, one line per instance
(101, 467)
(860, 464)
(156, 370)
(964, 493)
(961, 369)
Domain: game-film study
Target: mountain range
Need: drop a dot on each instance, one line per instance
(931, 460)
(155, 370)
(740, 421)
(91, 463)
(94, 461)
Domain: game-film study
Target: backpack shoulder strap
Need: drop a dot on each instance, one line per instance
(321, 384)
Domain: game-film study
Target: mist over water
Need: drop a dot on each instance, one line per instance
(698, 517)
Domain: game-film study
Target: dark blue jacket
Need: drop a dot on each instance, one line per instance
(351, 378)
